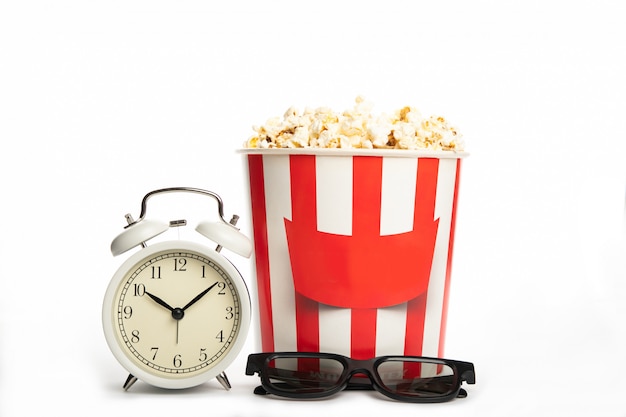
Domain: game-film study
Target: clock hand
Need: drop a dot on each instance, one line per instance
(177, 313)
(199, 296)
(160, 301)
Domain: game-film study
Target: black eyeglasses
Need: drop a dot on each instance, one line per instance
(317, 375)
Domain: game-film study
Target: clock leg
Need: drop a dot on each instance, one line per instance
(224, 380)
(129, 381)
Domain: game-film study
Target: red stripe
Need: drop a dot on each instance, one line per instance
(308, 324)
(304, 211)
(259, 221)
(366, 197)
(415, 313)
(425, 194)
(366, 207)
(363, 333)
(444, 316)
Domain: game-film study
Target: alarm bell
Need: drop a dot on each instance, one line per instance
(136, 234)
(226, 235)
(223, 233)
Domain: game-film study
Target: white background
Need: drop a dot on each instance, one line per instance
(101, 102)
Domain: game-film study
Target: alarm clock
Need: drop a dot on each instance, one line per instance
(177, 313)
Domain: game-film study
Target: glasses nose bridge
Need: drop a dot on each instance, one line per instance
(360, 370)
(361, 366)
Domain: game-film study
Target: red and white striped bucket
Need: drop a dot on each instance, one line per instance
(353, 249)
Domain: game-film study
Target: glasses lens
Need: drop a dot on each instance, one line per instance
(417, 378)
(304, 375)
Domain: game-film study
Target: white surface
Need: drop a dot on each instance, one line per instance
(103, 102)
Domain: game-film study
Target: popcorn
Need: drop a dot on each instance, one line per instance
(356, 128)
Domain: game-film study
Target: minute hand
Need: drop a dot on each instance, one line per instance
(199, 296)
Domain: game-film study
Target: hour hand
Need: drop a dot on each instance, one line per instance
(160, 301)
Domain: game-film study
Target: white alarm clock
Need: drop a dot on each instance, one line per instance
(177, 313)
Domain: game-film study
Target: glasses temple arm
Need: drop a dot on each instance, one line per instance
(252, 368)
(469, 377)
(260, 391)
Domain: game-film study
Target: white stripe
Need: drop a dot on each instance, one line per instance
(278, 207)
(333, 177)
(398, 195)
(391, 330)
(434, 301)
(399, 176)
(334, 188)
(335, 324)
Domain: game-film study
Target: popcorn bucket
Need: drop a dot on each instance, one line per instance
(353, 249)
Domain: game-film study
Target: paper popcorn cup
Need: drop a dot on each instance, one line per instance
(353, 249)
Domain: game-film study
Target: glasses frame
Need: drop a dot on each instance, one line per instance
(258, 363)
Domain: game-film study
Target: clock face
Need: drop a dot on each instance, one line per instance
(176, 314)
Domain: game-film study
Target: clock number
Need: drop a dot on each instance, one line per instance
(128, 312)
(134, 336)
(140, 290)
(156, 272)
(221, 286)
(154, 350)
(203, 355)
(203, 271)
(177, 362)
(180, 264)
(229, 313)
(220, 336)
